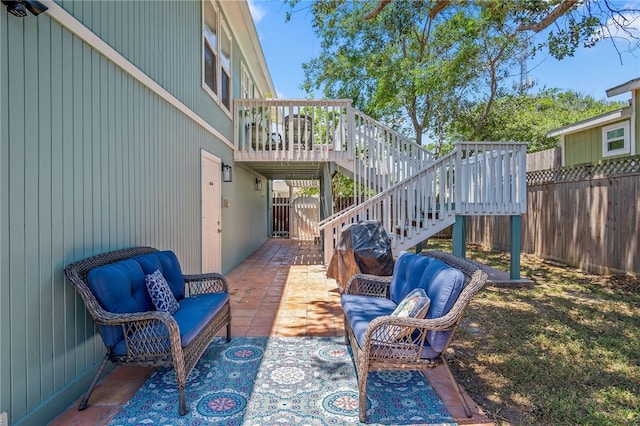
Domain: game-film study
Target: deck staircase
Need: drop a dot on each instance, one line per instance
(397, 182)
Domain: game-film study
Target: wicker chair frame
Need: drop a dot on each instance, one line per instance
(379, 352)
(146, 332)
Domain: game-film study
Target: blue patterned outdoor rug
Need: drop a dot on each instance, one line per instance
(282, 381)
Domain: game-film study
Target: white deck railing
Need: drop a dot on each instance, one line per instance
(411, 210)
(384, 157)
(292, 130)
(492, 178)
(326, 130)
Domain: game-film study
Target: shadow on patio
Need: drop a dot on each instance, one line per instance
(280, 290)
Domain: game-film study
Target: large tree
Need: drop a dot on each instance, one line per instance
(413, 62)
(527, 117)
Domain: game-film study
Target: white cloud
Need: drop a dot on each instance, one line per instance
(622, 27)
(257, 12)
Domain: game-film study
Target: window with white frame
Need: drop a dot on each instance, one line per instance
(225, 67)
(216, 55)
(615, 139)
(210, 47)
(246, 85)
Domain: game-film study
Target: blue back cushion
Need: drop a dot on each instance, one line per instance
(119, 288)
(167, 262)
(443, 285)
(441, 282)
(407, 274)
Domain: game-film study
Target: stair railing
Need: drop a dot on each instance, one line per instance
(383, 157)
(477, 178)
(411, 210)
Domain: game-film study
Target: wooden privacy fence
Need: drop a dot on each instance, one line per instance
(281, 217)
(296, 218)
(592, 223)
(305, 214)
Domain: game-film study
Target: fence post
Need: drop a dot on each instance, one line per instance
(459, 237)
(514, 266)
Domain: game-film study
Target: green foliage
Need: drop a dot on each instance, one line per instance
(342, 186)
(308, 191)
(402, 60)
(527, 117)
(420, 64)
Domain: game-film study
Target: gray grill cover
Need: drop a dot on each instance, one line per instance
(364, 247)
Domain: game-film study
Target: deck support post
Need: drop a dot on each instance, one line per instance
(514, 267)
(460, 237)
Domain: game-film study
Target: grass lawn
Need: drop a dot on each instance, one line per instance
(566, 351)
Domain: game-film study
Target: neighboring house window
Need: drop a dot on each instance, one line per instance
(225, 67)
(210, 47)
(615, 139)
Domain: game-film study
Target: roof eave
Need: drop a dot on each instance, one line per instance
(589, 123)
(249, 42)
(624, 87)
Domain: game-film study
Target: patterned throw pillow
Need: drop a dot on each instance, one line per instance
(414, 305)
(160, 293)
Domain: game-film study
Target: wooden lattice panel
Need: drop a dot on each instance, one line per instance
(603, 169)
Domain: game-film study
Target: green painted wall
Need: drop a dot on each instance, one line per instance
(585, 147)
(91, 160)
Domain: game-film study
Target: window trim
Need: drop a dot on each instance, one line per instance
(246, 84)
(626, 149)
(215, 49)
(225, 32)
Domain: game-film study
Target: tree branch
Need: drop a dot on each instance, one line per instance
(560, 10)
(381, 5)
(437, 8)
(492, 93)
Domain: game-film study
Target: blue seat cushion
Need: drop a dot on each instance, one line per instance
(167, 262)
(119, 288)
(361, 310)
(192, 317)
(407, 273)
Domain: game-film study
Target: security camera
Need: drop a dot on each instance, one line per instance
(19, 7)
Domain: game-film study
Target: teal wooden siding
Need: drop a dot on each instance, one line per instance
(164, 40)
(101, 163)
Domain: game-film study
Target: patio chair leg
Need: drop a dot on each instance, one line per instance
(467, 410)
(346, 332)
(182, 409)
(362, 391)
(85, 399)
(229, 332)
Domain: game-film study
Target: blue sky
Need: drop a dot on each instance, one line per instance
(287, 45)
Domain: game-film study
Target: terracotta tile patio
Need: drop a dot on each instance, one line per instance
(280, 290)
